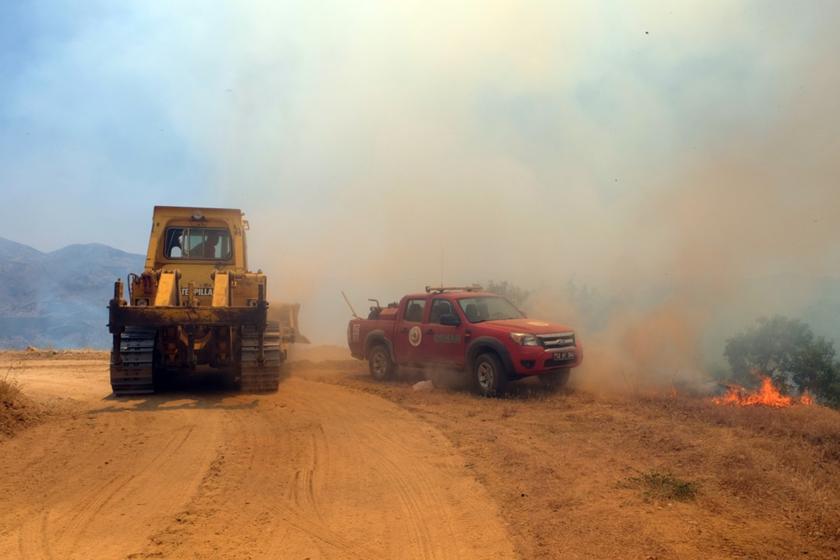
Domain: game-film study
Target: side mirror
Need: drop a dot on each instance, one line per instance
(450, 320)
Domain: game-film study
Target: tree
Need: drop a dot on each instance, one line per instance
(513, 292)
(789, 352)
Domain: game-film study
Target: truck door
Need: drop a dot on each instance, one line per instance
(409, 333)
(443, 344)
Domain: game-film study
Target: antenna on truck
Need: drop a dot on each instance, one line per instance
(347, 301)
(441, 265)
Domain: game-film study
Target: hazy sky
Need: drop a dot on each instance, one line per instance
(107, 108)
(375, 145)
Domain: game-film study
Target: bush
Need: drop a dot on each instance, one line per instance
(514, 293)
(663, 486)
(9, 391)
(789, 353)
(13, 413)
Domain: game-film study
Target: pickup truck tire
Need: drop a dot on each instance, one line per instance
(489, 375)
(380, 364)
(555, 380)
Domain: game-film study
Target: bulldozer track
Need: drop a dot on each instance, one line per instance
(134, 374)
(259, 377)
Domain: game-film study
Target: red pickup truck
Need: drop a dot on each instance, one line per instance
(467, 329)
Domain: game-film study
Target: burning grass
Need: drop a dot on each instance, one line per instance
(812, 425)
(766, 395)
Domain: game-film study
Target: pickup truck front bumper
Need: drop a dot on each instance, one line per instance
(534, 360)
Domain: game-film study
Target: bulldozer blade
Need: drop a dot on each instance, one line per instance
(286, 315)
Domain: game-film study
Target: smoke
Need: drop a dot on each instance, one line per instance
(677, 164)
(681, 165)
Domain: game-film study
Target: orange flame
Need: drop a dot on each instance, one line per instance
(806, 399)
(767, 395)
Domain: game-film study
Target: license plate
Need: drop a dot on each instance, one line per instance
(563, 356)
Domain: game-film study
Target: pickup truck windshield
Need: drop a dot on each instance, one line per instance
(488, 308)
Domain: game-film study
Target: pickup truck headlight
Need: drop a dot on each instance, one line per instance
(525, 339)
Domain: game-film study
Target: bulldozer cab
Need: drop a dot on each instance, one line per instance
(200, 238)
(198, 243)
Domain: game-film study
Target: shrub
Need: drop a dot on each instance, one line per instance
(663, 486)
(789, 353)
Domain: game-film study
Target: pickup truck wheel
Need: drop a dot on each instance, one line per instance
(489, 376)
(555, 380)
(380, 364)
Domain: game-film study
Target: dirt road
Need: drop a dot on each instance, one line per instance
(315, 471)
(336, 465)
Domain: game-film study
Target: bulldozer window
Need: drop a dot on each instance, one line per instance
(197, 244)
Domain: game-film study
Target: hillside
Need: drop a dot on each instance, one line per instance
(58, 298)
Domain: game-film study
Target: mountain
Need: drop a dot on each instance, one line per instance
(16, 252)
(59, 299)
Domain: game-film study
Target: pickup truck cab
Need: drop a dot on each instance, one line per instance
(464, 329)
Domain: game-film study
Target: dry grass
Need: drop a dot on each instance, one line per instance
(10, 405)
(52, 354)
(583, 476)
(665, 486)
(9, 390)
(579, 475)
(16, 411)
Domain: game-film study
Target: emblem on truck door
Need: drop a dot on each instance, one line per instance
(415, 336)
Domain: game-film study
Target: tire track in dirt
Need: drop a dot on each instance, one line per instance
(411, 472)
(314, 471)
(118, 489)
(93, 493)
(270, 481)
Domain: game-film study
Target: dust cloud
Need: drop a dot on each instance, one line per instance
(657, 177)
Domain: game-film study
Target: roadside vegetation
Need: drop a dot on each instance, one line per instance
(511, 291)
(9, 390)
(656, 485)
(16, 409)
(789, 352)
(797, 360)
(12, 405)
(655, 476)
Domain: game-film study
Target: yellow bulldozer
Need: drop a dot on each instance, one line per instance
(196, 307)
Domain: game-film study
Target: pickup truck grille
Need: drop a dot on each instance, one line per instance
(557, 340)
